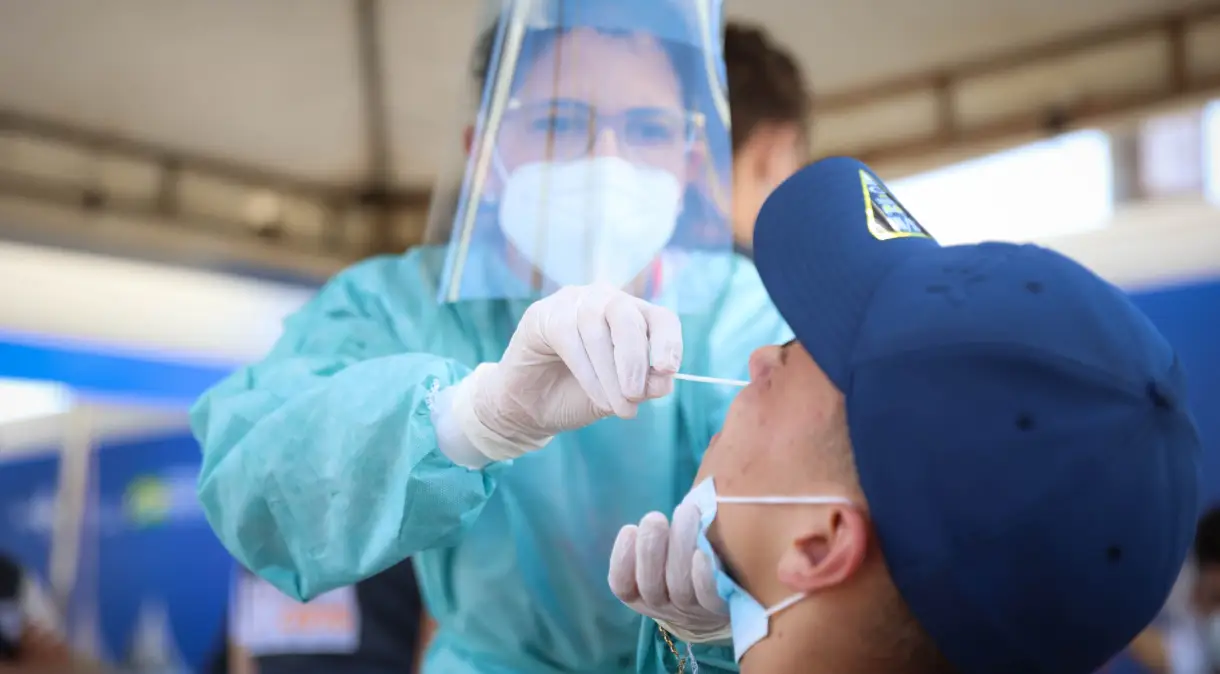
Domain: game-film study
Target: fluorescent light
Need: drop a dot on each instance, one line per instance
(1054, 187)
(21, 400)
(1211, 151)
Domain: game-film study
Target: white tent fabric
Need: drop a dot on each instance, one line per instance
(276, 83)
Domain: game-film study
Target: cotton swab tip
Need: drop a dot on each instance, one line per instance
(711, 380)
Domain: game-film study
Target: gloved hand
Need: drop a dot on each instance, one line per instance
(658, 571)
(579, 355)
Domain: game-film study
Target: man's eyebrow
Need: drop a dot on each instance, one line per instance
(783, 351)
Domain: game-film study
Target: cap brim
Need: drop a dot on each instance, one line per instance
(824, 240)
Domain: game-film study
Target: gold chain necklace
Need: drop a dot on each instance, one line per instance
(681, 659)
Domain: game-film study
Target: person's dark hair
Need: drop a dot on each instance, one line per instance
(1207, 538)
(10, 577)
(765, 83)
(10, 592)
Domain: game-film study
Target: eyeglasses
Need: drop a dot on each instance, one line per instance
(563, 130)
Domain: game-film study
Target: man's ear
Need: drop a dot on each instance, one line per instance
(829, 552)
(468, 139)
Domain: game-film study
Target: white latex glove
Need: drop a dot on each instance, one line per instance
(582, 354)
(659, 571)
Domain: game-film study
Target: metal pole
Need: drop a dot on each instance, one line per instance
(376, 125)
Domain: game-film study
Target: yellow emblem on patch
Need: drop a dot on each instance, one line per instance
(887, 219)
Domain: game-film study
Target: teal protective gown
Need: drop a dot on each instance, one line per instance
(321, 468)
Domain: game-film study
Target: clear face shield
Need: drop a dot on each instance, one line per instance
(600, 154)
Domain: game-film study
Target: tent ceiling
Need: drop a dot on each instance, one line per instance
(276, 84)
(845, 44)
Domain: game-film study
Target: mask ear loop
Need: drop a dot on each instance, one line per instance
(785, 604)
(716, 192)
(785, 500)
(501, 171)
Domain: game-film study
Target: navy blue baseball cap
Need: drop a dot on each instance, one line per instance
(1019, 427)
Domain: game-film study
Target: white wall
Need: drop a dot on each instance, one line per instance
(23, 400)
(1151, 244)
(136, 306)
(106, 424)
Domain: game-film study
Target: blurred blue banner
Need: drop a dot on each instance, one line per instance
(105, 373)
(1189, 317)
(160, 578)
(27, 510)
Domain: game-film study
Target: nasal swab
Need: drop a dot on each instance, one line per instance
(712, 380)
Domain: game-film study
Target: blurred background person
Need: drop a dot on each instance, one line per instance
(372, 627)
(770, 103)
(1185, 638)
(31, 637)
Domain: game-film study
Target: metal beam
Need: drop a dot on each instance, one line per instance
(163, 211)
(1050, 122)
(372, 81)
(63, 215)
(1015, 58)
(943, 84)
(376, 125)
(97, 142)
(104, 143)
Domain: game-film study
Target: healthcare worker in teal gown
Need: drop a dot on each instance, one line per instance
(497, 403)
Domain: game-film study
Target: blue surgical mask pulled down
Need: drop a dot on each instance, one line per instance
(750, 620)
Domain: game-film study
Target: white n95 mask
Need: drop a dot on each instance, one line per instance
(592, 220)
(749, 620)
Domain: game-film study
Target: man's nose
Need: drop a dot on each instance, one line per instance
(762, 361)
